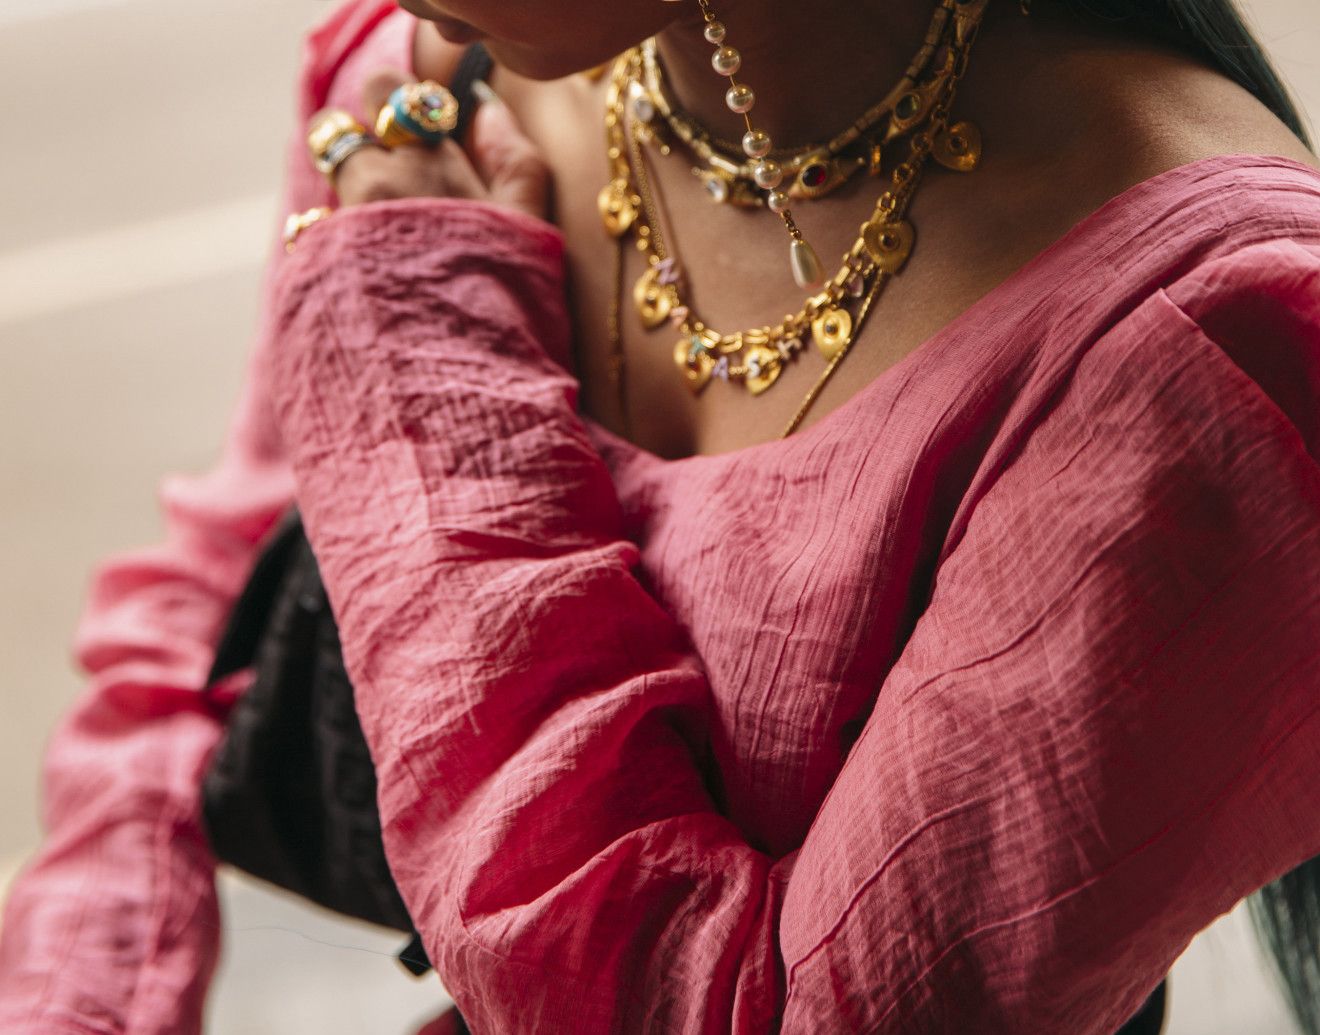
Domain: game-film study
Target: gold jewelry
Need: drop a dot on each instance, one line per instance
(300, 221)
(703, 353)
(417, 113)
(813, 171)
(834, 316)
(332, 137)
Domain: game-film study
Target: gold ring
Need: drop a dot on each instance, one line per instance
(332, 137)
(417, 113)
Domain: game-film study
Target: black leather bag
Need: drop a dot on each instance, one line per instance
(290, 793)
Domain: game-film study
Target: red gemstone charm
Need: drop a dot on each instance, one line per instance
(813, 177)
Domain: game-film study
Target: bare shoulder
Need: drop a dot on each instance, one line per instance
(1171, 110)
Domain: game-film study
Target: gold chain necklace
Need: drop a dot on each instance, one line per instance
(834, 316)
(810, 172)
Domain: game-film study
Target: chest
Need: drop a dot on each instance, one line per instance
(737, 276)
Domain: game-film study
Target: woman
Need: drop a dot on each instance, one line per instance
(962, 708)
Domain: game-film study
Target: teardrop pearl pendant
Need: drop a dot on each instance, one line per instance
(807, 270)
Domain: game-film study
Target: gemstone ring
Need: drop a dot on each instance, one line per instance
(417, 113)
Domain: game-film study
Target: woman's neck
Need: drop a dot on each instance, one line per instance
(815, 67)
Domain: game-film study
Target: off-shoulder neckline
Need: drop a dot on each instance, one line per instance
(1144, 196)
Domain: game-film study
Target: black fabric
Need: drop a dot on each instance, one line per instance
(290, 793)
(1149, 1020)
(475, 64)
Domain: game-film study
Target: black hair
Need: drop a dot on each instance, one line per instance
(1285, 913)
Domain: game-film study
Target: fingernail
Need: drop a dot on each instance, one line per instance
(484, 93)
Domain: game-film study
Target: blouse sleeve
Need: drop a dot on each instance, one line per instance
(113, 924)
(1103, 731)
(1100, 735)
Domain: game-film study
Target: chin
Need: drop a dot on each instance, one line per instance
(542, 64)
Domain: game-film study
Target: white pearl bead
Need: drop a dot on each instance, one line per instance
(756, 143)
(740, 98)
(768, 174)
(778, 201)
(715, 33)
(726, 61)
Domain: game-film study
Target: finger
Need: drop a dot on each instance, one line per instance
(456, 176)
(335, 138)
(443, 171)
(377, 89)
(504, 157)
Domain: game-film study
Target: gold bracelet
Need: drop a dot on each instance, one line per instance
(300, 221)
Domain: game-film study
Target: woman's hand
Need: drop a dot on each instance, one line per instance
(501, 165)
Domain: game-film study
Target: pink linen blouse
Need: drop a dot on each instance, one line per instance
(962, 710)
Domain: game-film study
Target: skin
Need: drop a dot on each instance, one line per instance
(1072, 114)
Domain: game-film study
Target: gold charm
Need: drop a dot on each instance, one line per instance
(692, 355)
(763, 366)
(888, 244)
(832, 329)
(618, 211)
(957, 147)
(912, 107)
(654, 300)
(817, 177)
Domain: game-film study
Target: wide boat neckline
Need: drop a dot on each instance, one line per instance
(1018, 282)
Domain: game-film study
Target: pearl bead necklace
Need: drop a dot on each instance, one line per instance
(757, 145)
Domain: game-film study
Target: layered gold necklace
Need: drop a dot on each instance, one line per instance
(917, 109)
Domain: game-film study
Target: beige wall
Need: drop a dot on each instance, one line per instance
(130, 249)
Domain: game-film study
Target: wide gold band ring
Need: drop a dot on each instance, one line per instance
(332, 137)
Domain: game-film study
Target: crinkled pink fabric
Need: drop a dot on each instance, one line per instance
(962, 710)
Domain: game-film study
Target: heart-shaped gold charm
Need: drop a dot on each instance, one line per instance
(957, 147)
(654, 300)
(618, 211)
(693, 355)
(763, 366)
(888, 244)
(832, 330)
